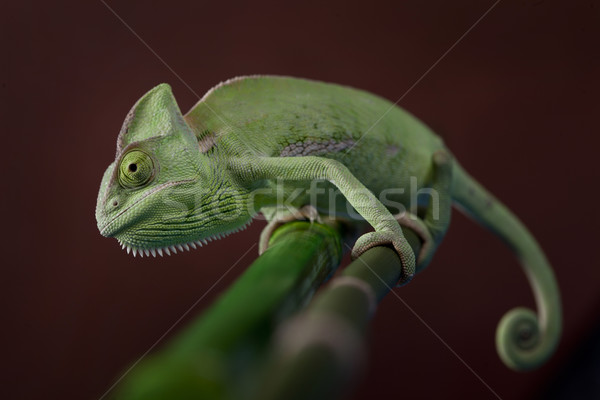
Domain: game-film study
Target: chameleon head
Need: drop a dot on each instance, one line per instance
(161, 194)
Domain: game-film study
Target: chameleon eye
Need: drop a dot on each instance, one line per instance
(136, 169)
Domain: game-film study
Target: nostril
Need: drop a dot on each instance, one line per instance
(115, 203)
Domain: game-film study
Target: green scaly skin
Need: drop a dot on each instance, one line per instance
(180, 181)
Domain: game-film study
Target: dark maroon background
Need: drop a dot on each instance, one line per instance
(516, 100)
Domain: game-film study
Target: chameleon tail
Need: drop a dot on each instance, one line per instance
(524, 340)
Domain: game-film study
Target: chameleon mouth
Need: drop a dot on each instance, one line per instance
(174, 248)
(109, 227)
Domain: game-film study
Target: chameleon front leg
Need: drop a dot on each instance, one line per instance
(387, 230)
(278, 217)
(432, 228)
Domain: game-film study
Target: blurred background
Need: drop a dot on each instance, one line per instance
(516, 100)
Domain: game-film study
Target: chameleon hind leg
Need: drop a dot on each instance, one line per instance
(433, 226)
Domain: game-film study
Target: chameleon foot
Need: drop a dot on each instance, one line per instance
(392, 239)
(414, 223)
(307, 212)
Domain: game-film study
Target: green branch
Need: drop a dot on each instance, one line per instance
(211, 358)
(319, 351)
(238, 348)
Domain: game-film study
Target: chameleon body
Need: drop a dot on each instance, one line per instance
(253, 143)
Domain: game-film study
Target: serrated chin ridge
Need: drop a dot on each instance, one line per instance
(167, 250)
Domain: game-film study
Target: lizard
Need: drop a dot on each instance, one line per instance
(254, 142)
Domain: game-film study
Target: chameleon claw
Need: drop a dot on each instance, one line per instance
(399, 244)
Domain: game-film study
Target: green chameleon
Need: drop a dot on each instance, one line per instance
(263, 143)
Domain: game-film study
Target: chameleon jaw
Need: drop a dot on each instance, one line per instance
(174, 248)
(108, 229)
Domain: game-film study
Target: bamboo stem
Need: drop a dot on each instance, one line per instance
(318, 352)
(215, 357)
(240, 348)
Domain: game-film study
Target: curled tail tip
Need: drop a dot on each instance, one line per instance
(521, 343)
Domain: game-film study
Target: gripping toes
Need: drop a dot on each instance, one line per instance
(279, 218)
(389, 238)
(419, 227)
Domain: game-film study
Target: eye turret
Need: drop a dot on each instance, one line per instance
(137, 169)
